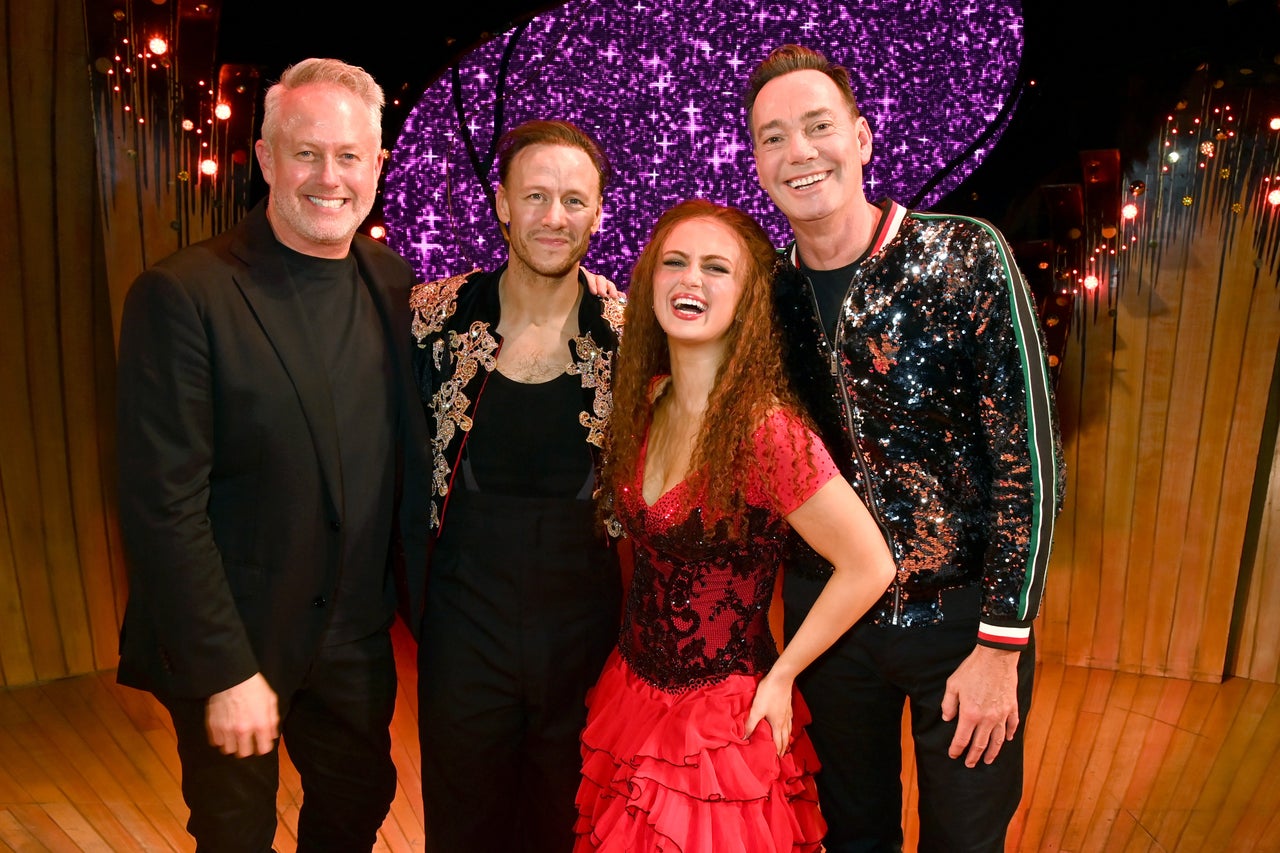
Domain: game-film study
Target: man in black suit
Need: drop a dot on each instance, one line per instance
(268, 443)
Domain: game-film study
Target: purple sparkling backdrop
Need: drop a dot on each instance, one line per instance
(660, 84)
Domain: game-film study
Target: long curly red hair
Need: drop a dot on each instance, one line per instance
(749, 385)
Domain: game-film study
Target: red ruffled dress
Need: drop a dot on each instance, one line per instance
(665, 764)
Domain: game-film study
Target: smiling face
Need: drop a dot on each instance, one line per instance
(809, 149)
(322, 164)
(698, 281)
(551, 202)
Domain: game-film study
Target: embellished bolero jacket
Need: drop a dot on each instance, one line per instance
(455, 323)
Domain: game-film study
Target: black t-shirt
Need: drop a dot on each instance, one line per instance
(526, 440)
(830, 287)
(351, 343)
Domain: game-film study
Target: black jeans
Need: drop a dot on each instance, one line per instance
(856, 692)
(336, 727)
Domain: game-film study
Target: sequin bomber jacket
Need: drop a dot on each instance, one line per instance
(936, 401)
(455, 323)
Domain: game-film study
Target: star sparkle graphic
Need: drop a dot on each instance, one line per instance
(660, 85)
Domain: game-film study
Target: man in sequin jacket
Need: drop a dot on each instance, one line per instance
(914, 342)
(523, 596)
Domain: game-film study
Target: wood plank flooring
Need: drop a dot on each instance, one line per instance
(1115, 762)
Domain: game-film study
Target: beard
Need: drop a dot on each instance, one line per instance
(299, 217)
(555, 263)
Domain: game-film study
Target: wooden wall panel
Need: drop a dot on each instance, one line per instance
(1163, 403)
(138, 202)
(16, 664)
(1191, 302)
(1090, 439)
(38, 652)
(1119, 457)
(59, 566)
(1257, 649)
(53, 356)
(97, 184)
(1160, 319)
(1227, 461)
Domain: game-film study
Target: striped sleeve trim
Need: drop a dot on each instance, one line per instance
(1003, 636)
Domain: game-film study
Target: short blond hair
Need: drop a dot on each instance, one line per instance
(319, 70)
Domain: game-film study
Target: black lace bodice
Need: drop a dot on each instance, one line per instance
(698, 608)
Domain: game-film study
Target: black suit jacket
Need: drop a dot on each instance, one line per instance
(231, 502)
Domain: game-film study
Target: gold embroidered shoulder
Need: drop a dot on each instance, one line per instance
(433, 302)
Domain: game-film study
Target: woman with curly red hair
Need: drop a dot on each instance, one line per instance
(711, 465)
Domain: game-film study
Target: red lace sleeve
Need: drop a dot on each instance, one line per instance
(793, 462)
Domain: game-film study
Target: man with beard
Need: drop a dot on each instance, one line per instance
(522, 598)
(266, 407)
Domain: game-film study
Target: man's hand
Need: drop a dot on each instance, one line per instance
(984, 690)
(244, 720)
(601, 286)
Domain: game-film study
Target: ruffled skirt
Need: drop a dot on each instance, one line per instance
(671, 772)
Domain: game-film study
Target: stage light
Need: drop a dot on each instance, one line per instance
(1274, 196)
(209, 167)
(158, 46)
(222, 111)
(1129, 211)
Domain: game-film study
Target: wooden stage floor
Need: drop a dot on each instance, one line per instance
(1115, 762)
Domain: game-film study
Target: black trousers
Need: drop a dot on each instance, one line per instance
(336, 727)
(522, 611)
(856, 692)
